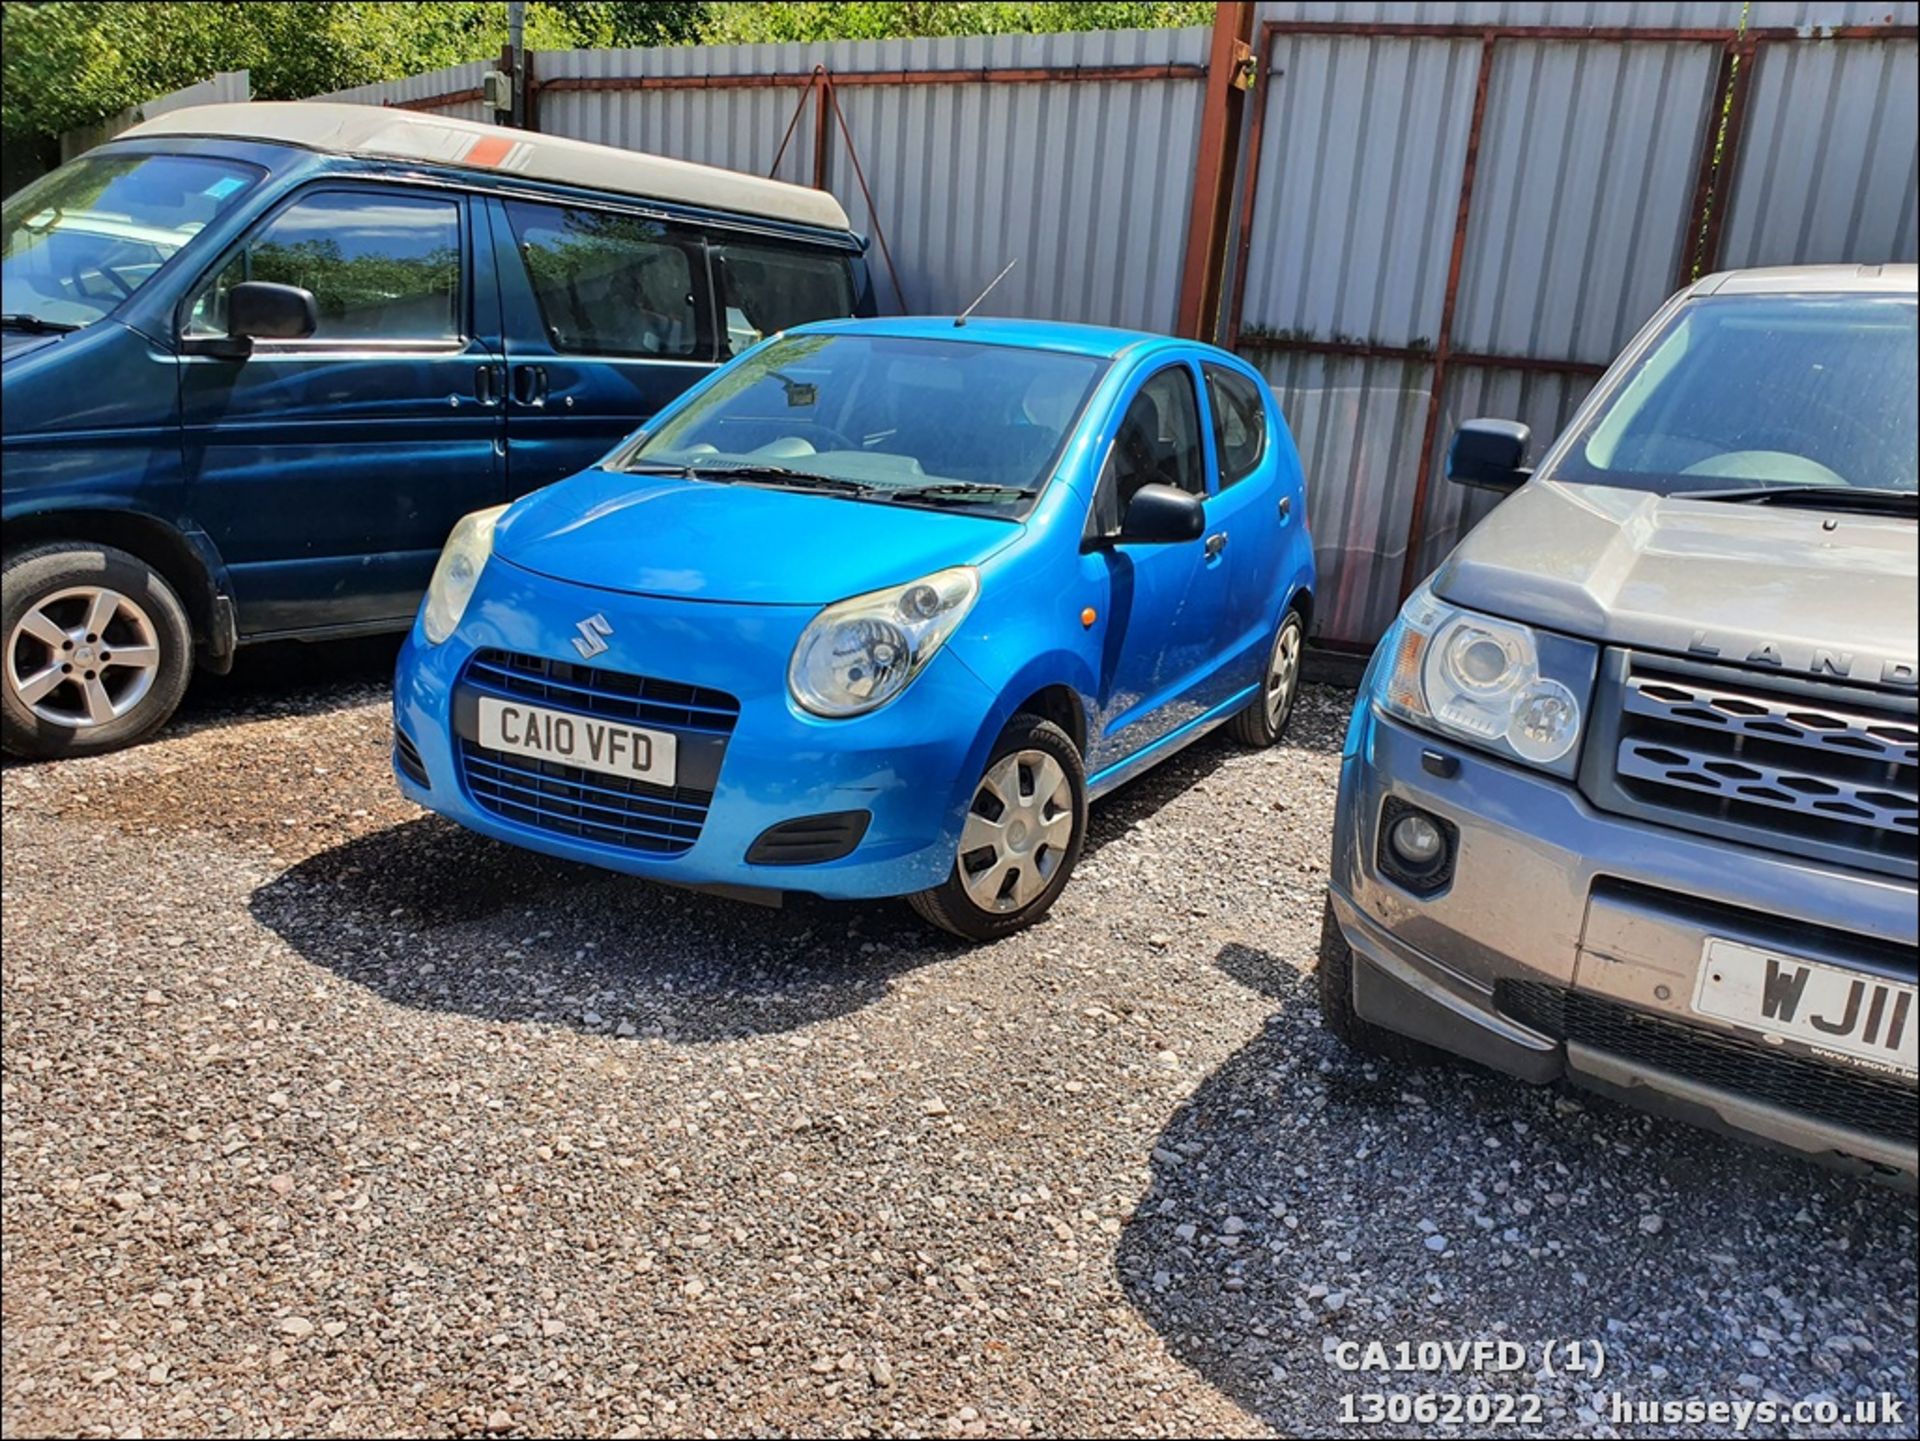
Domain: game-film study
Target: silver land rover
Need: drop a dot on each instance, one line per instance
(1629, 793)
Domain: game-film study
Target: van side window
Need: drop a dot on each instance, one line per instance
(611, 284)
(1239, 423)
(767, 288)
(381, 267)
(1158, 443)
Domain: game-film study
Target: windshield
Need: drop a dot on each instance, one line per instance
(77, 242)
(947, 423)
(1763, 390)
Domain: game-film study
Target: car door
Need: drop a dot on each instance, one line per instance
(329, 470)
(1159, 665)
(607, 316)
(1248, 510)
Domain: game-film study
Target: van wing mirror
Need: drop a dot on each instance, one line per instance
(1487, 454)
(1162, 515)
(263, 310)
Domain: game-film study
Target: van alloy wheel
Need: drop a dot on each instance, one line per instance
(1017, 832)
(82, 657)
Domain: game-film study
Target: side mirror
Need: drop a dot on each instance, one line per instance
(1487, 454)
(262, 310)
(1162, 515)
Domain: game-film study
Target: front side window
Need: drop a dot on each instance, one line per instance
(77, 242)
(612, 284)
(951, 424)
(1751, 390)
(765, 289)
(381, 267)
(1158, 443)
(1239, 423)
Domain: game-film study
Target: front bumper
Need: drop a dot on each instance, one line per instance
(1556, 908)
(910, 765)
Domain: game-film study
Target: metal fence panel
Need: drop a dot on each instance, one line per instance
(1826, 158)
(1588, 160)
(452, 80)
(1364, 141)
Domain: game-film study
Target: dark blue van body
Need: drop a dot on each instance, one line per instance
(481, 334)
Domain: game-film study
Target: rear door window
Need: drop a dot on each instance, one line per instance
(381, 266)
(766, 288)
(610, 283)
(1239, 423)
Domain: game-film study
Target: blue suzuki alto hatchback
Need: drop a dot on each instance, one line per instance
(873, 611)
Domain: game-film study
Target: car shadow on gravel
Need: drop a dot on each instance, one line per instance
(1302, 1195)
(427, 914)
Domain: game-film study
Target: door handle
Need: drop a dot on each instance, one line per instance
(486, 384)
(530, 385)
(1216, 543)
(1286, 506)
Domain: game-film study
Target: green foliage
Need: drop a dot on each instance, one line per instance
(751, 23)
(73, 63)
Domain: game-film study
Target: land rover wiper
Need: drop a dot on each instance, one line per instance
(963, 490)
(1875, 500)
(37, 325)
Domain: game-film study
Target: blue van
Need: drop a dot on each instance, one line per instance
(874, 611)
(260, 358)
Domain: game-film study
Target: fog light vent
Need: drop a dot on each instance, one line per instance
(1416, 849)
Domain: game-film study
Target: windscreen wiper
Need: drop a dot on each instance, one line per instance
(36, 324)
(779, 475)
(1876, 500)
(963, 490)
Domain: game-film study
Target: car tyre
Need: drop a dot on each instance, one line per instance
(1337, 1015)
(1022, 837)
(1263, 720)
(97, 650)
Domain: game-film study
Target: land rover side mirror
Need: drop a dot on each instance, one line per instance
(1487, 454)
(1162, 515)
(262, 310)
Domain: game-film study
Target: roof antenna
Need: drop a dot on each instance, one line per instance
(961, 319)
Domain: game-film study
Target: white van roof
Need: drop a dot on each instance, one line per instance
(442, 140)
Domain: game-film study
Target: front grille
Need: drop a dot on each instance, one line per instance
(569, 801)
(1795, 765)
(609, 810)
(589, 690)
(1876, 1104)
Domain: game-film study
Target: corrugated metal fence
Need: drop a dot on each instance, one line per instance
(1459, 210)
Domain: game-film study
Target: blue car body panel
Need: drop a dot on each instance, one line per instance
(710, 585)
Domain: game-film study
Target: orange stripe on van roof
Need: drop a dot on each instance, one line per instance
(489, 150)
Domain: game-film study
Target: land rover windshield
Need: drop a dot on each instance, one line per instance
(1767, 397)
(76, 243)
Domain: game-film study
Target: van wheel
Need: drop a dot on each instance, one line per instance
(1263, 720)
(98, 650)
(1021, 839)
(1337, 1015)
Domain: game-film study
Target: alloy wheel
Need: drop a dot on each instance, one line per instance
(1283, 673)
(82, 657)
(1018, 831)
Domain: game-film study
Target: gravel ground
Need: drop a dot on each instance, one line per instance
(323, 1116)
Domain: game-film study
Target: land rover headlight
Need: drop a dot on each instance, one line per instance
(859, 654)
(458, 572)
(1495, 683)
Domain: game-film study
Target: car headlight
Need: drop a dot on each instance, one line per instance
(858, 654)
(461, 560)
(1485, 681)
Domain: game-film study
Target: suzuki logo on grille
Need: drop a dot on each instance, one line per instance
(589, 642)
